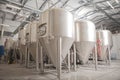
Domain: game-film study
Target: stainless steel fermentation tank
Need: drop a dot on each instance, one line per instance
(104, 42)
(22, 43)
(31, 38)
(85, 39)
(56, 25)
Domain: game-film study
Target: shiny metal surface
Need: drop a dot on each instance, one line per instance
(9, 43)
(31, 32)
(58, 23)
(105, 37)
(85, 38)
(31, 38)
(22, 36)
(32, 49)
(104, 41)
(85, 31)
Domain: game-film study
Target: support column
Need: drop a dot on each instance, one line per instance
(93, 56)
(41, 60)
(74, 50)
(68, 60)
(59, 52)
(21, 55)
(2, 32)
(96, 62)
(37, 56)
(28, 58)
(109, 55)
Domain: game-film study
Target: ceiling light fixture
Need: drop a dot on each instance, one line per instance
(110, 4)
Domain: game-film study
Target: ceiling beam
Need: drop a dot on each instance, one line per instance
(89, 3)
(43, 5)
(97, 7)
(55, 3)
(89, 13)
(24, 23)
(109, 8)
(24, 2)
(101, 1)
(107, 14)
(21, 1)
(65, 3)
(28, 19)
(84, 4)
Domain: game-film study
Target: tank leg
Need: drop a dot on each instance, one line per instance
(28, 59)
(68, 60)
(21, 57)
(74, 57)
(59, 51)
(109, 55)
(93, 57)
(25, 56)
(96, 62)
(37, 57)
(41, 60)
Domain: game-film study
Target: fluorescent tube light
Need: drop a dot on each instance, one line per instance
(110, 4)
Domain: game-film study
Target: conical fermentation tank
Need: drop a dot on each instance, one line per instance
(31, 38)
(85, 39)
(22, 36)
(22, 41)
(104, 42)
(31, 32)
(56, 23)
(9, 43)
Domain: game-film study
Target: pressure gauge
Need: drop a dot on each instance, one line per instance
(42, 29)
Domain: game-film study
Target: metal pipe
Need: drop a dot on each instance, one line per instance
(43, 5)
(109, 55)
(65, 3)
(96, 63)
(74, 57)
(59, 52)
(36, 4)
(28, 57)
(21, 56)
(37, 58)
(2, 26)
(55, 3)
(41, 60)
(37, 51)
(25, 56)
(94, 56)
(68, 60)
(2, 32)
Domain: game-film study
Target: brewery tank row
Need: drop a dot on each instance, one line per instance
(57, 25)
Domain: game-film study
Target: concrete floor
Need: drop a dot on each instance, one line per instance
(86, 72)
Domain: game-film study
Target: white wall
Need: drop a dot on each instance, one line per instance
(115, 52)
